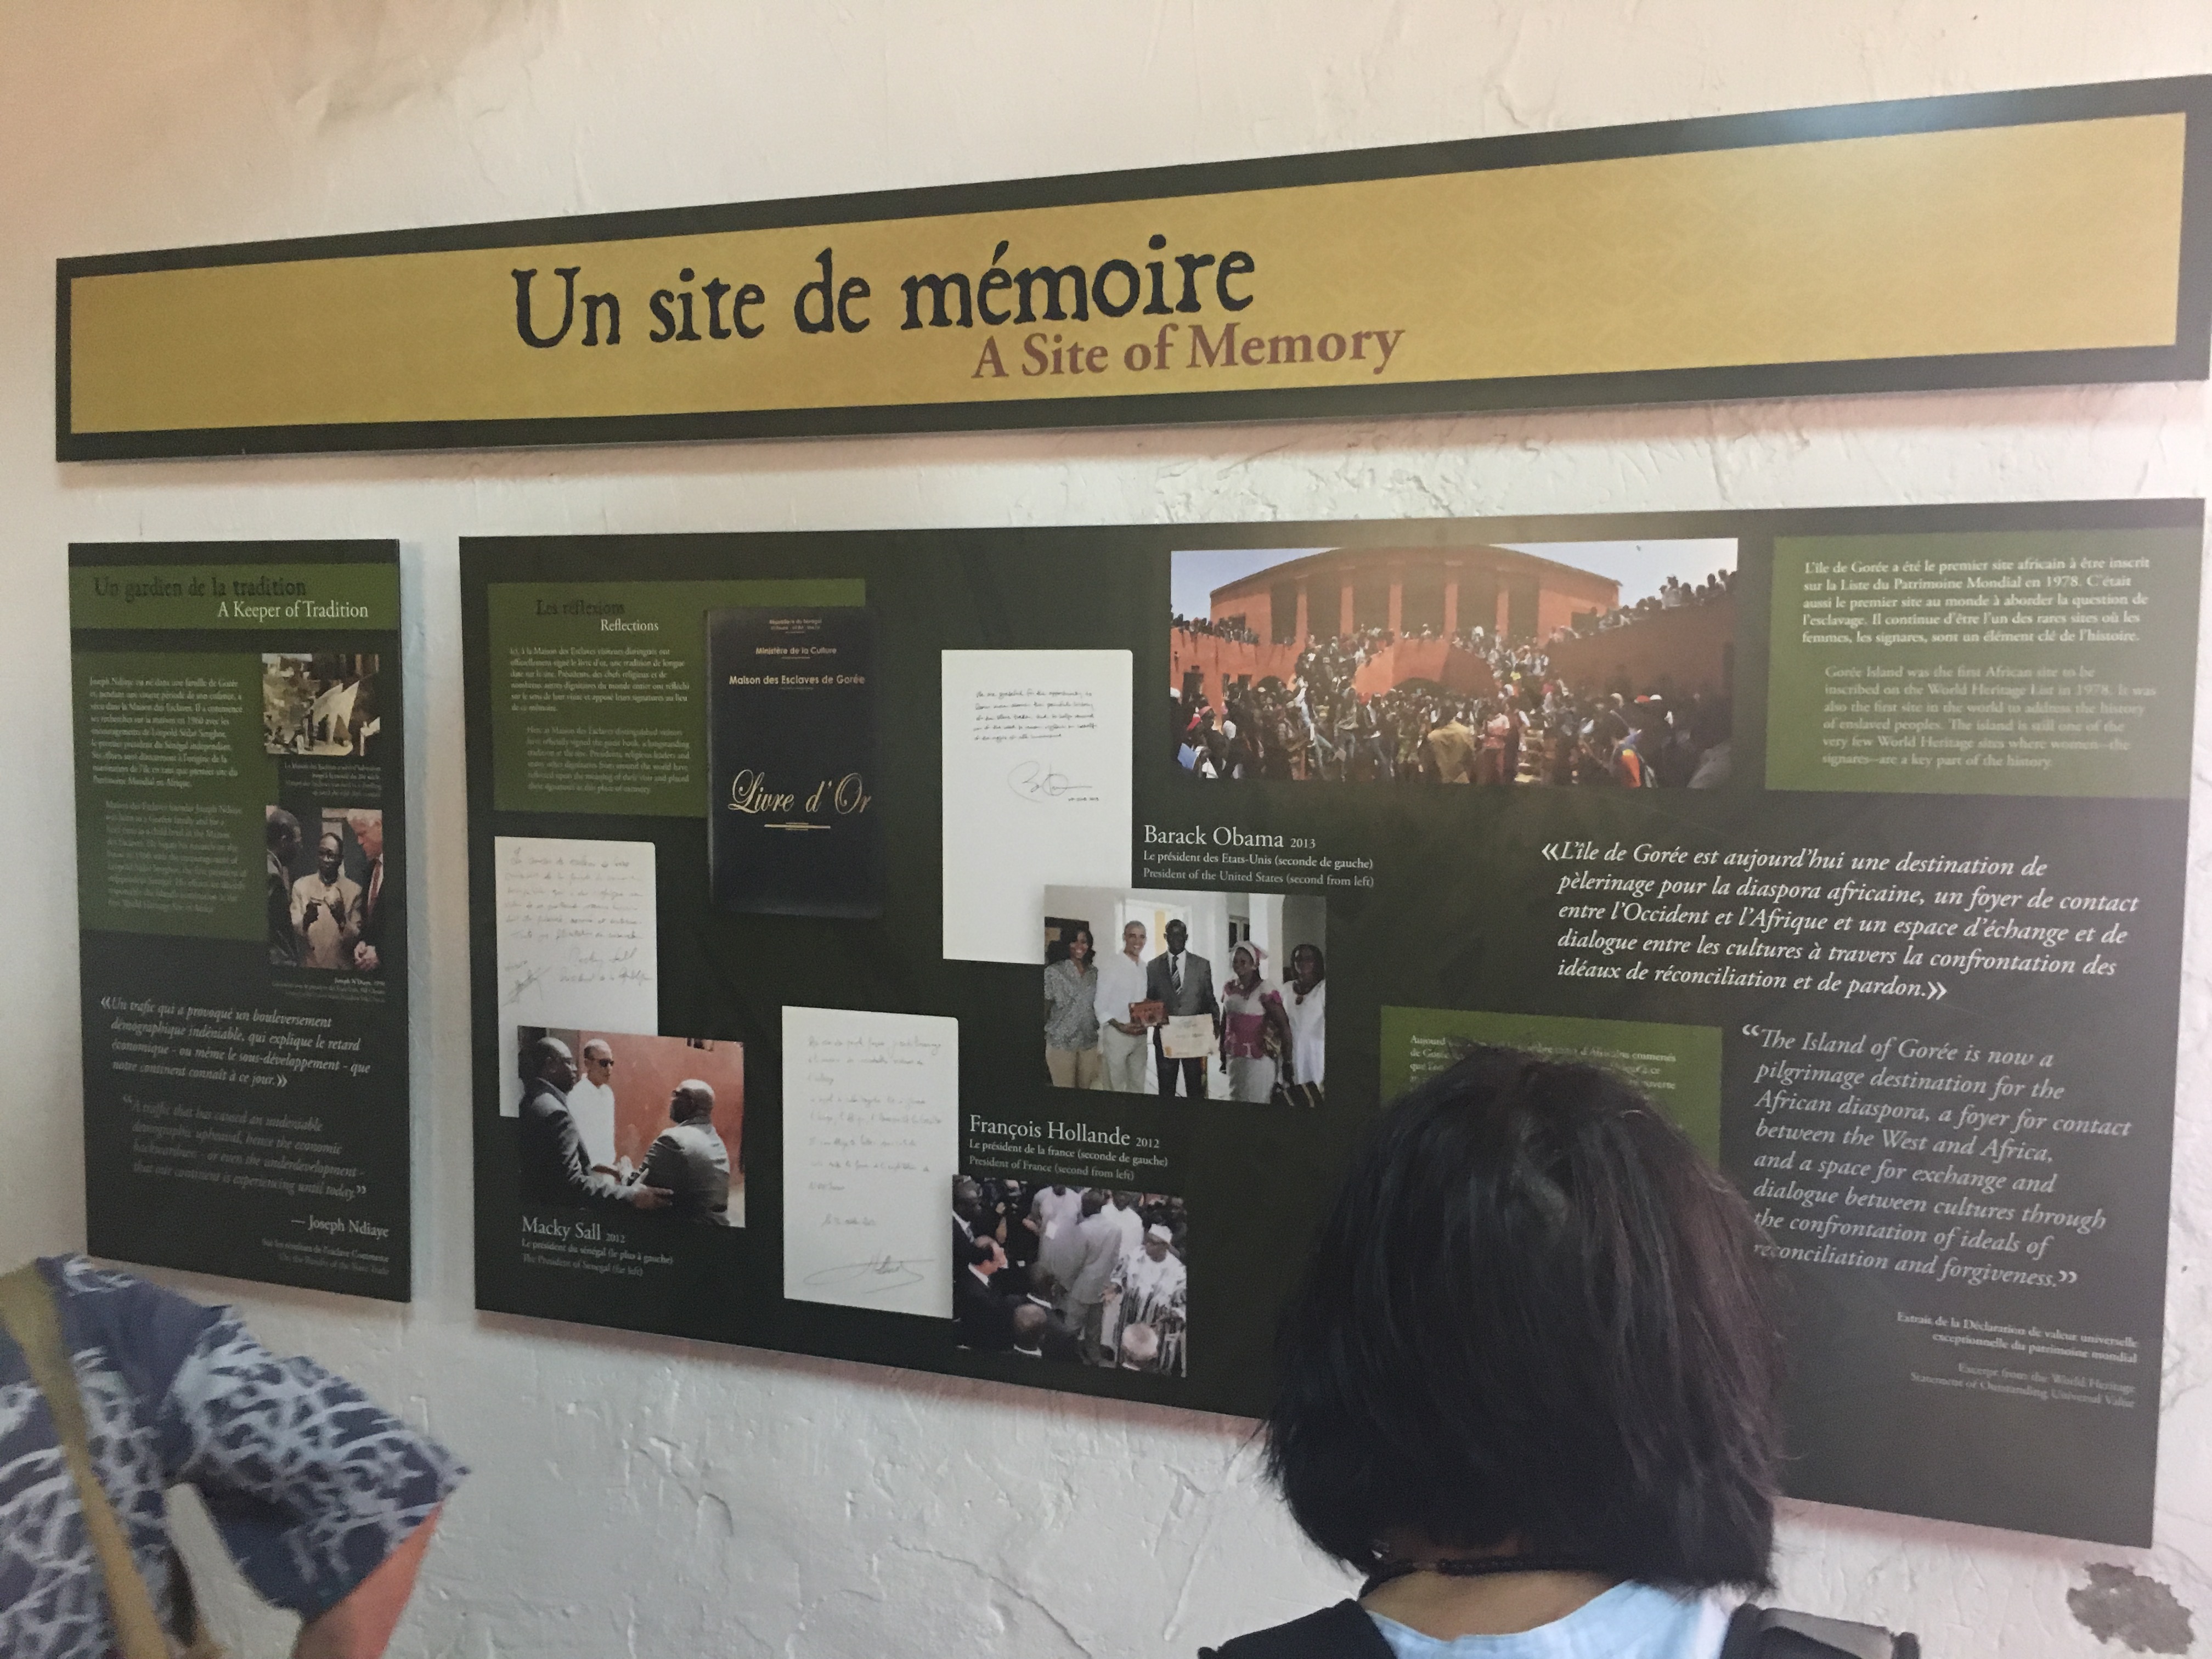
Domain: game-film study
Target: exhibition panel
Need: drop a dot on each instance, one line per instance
(978, 950)
(1187, 776)
(241, 890)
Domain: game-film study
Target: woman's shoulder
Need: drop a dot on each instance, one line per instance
(145, 1331)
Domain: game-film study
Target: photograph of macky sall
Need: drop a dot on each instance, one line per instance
(1598, 664)
(656, 1123)
(326, 888)
(1205, 996)
(319, 704)
(1052, 1269)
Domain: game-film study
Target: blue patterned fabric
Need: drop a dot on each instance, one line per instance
(310, 1484)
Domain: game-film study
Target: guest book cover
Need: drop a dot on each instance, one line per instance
(792, 747)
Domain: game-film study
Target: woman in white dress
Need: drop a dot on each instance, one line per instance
(1305, 1005)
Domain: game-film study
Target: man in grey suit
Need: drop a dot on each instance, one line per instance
(687, 1160)
(1183, 981)
(1090, 1261)
(554, 1169)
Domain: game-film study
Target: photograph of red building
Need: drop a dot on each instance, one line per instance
(1583, 663)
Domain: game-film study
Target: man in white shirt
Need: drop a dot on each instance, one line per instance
(1131, 1224)
(326, 908)
(1122, 1212)
(1121, 1043)
(1056, 1208)
(591, 1103)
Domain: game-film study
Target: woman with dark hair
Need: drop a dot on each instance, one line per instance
(1071, 1016)
(1528, 1384)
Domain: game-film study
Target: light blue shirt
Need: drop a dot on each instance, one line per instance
(1629, 1621)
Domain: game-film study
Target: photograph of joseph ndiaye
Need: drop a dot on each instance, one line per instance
(650, 1123)
(1597, 664)
(1056, 1270)
(1210, 996)
(323, 703)
(327, 906)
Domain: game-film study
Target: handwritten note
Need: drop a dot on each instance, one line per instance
(871, 1141)
(576, 938)
(1036, 775)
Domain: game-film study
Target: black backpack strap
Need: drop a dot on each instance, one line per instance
(1742, 1639)
(1778, 1633)
(1343, 1631)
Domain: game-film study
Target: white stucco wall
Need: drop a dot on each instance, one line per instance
(642, 1496)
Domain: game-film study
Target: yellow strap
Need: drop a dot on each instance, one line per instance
(28, 1314)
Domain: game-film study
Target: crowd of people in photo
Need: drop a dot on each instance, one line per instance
(1228, 628)
(1045, 1270)
(1534, 725)
(1673, 594)
(1105, 1018)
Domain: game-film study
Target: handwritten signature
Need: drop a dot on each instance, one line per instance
(873, 1277)
(1033, 780)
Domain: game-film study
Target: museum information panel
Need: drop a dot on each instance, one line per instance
(978, 950)
(241, 892)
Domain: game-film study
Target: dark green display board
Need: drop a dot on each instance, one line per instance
(1882, 904)
(241, 860)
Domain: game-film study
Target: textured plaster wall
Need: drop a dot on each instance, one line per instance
(635, 1496)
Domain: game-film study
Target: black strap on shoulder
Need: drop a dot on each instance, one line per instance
(1343, 1631)
(1742, 1639)
(1473, 1566)
(1778, 1633)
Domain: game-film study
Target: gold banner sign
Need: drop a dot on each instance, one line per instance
(2007, 239)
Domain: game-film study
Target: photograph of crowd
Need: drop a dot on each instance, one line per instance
(648, 1123)
(1598, 664)
(1210, 996)
(1055, 1270)
(326, 888)
(323, 704)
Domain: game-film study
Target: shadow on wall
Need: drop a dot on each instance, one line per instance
(338, 60)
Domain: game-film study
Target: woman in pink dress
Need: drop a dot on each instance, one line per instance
(1256, 1033)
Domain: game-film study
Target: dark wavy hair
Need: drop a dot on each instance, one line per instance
(1535, 1315)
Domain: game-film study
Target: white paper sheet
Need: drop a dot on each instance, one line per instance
(576, 938)
(871, 1143)
(1036, 771)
